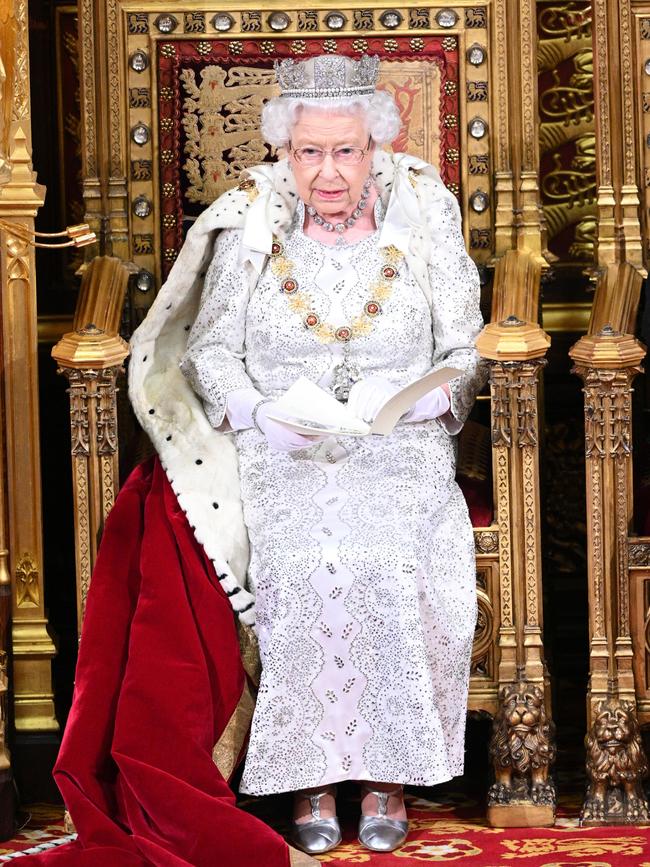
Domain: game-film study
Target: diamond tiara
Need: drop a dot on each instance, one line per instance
(329, 76)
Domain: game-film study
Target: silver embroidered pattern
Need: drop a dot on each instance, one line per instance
(397, 615)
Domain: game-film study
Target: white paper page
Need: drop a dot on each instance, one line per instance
(399, 403)
(307, 408)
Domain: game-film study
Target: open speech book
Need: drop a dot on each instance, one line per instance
(307, 408)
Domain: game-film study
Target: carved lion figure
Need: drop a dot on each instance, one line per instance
(522, 747)
(616, 765)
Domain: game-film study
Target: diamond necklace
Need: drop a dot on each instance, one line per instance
(351, 220)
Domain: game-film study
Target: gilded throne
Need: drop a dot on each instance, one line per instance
(184, 91)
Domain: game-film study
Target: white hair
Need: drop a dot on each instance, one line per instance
(379, 112)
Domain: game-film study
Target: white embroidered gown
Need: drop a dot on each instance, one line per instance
(362, 551)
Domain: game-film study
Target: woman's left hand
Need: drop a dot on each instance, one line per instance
(369, 395)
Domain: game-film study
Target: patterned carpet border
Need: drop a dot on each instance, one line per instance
(40, 827)
(450, 827)
(42, 847)
(447, 827)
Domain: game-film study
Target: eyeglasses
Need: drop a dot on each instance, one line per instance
(313, 156)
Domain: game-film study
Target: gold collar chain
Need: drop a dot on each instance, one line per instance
(301, 302)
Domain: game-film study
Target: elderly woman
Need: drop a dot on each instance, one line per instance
(346, 265)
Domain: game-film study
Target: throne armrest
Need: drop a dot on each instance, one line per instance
(513, 333)
(616, 301)
(517, 277)
(91, 358)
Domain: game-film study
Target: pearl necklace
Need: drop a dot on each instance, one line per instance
(351, 220)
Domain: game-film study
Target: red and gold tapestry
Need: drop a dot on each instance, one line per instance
(211, 94)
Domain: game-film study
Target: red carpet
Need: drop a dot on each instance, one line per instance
(41, 826)
(449, 829)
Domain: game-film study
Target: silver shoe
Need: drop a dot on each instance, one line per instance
(316, 836)
(380, 833)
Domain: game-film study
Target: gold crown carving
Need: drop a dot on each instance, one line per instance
(329, 76)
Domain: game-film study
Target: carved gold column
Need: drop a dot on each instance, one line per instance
(503, 169)
(515, 350)
(103, 158)
(7, 63)
(7, 800)
(20, 198)
(606, 114)
(529, 212)
(607, 362)
(619, 231)
(518, 215)
(91, 358)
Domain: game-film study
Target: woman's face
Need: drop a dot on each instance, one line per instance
(332, 188)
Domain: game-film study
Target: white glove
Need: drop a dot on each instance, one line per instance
(239, 409)
(369, 395)
(431, 405)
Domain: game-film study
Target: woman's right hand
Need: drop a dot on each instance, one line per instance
(280, 437)
(241, 411)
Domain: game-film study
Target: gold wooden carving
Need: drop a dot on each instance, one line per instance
(27, 583)
(7, 59)
(5, 626)
(514, 351)
(518, 278)
(522, 750)
(639, 553)
(619, 149)
(20, 513)
(6, 781)
(641, 83)
(116, 95)
(91, 359)
(518, 215)
(616, 767)
(607, 448)
(93, 425)
(509, 576)
(607, 361)
(7, 82)
(617, 303)
(567, 105)
(639, 571)
(483, 651)
(486, 541)
(101, 298)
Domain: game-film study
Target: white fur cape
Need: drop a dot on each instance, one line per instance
(201, 462)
